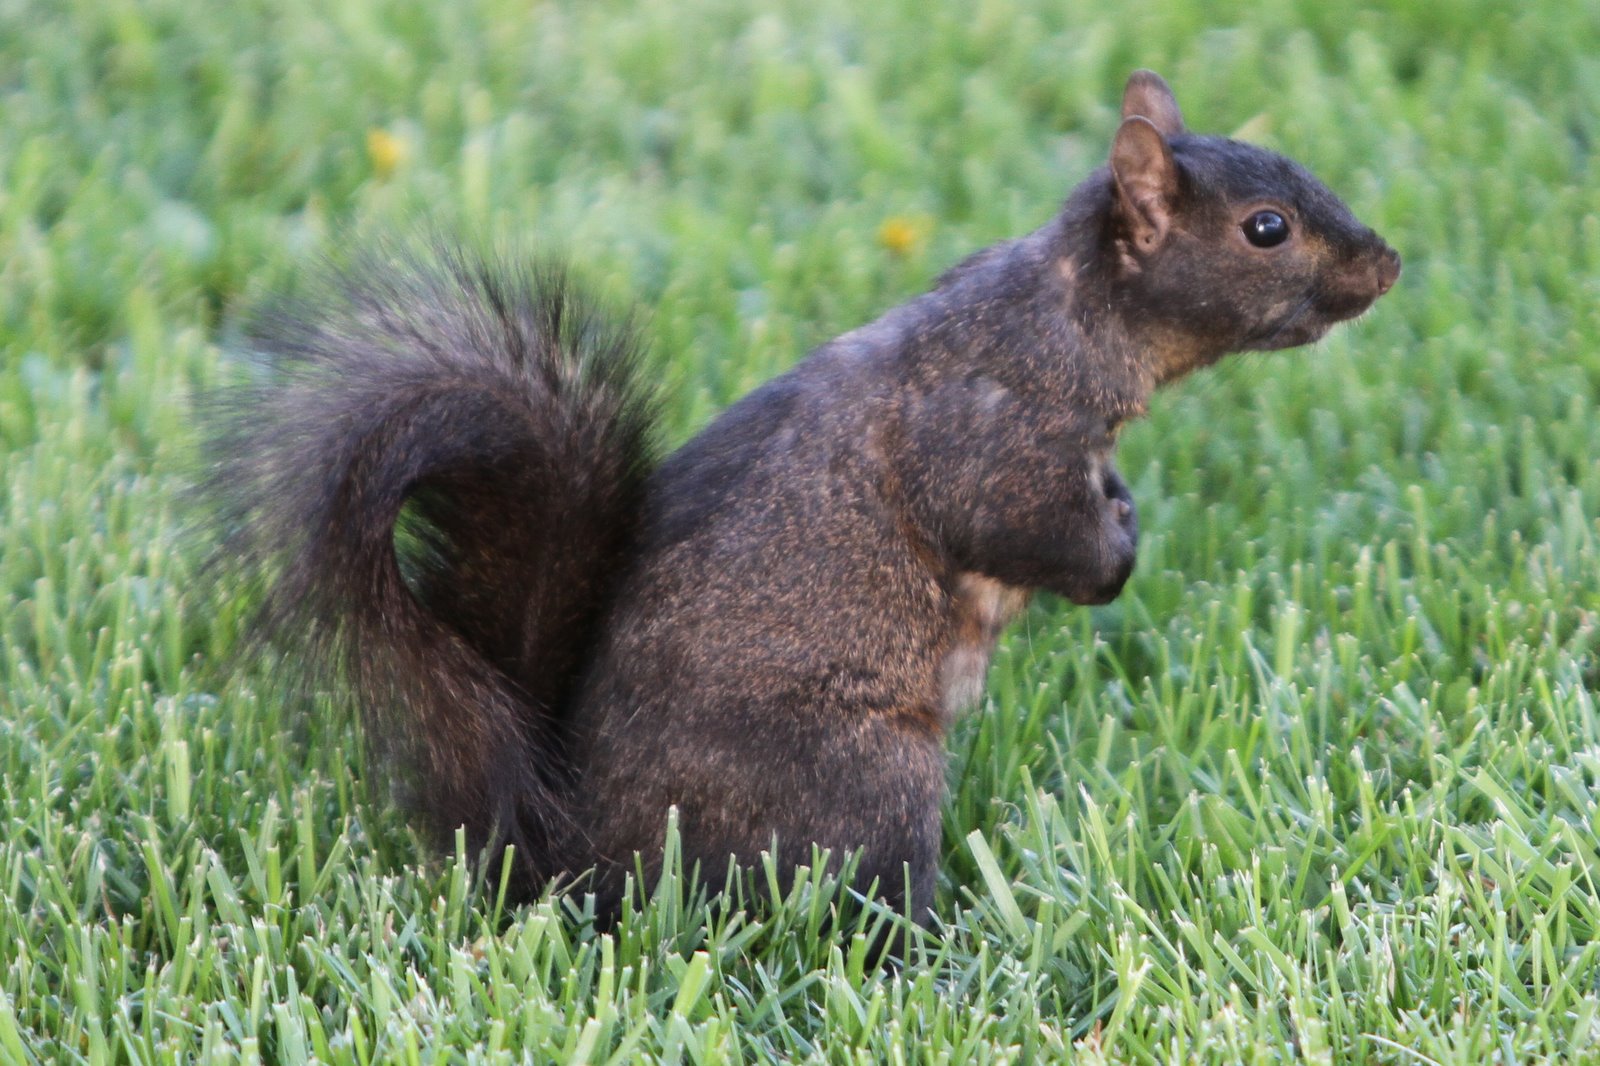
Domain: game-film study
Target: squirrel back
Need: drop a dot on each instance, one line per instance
(770, 630)
(433, 489)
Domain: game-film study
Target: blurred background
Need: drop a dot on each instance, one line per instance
(1333, 758)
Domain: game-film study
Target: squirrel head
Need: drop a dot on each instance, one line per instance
(1211, 246)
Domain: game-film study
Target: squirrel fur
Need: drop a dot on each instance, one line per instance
(771, 629)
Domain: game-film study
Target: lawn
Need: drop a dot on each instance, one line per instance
(1323, 785)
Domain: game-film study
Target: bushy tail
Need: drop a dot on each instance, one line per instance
(434, 488)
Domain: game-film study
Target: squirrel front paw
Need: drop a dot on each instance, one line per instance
(1118, 542)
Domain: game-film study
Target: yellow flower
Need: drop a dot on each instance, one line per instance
(902, 235)
(386, 151)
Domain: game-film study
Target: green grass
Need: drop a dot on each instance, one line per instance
(1323, 785)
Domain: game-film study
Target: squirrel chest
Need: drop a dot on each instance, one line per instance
(983, 608)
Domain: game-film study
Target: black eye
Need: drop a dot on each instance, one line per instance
(1266, 229)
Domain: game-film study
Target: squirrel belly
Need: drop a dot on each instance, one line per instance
(447, 501)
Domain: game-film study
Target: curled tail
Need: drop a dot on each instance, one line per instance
(433, 491)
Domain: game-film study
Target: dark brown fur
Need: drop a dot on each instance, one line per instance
(771, 629)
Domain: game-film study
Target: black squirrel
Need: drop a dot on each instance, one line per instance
(770, 629)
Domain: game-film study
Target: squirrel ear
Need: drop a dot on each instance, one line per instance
(1149, 95)
(1147, 180)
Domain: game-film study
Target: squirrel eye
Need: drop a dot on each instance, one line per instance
(1266, 229)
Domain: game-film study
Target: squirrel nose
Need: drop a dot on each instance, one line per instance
(1388, 270)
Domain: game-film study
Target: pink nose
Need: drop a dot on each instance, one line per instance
(1388, 270)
